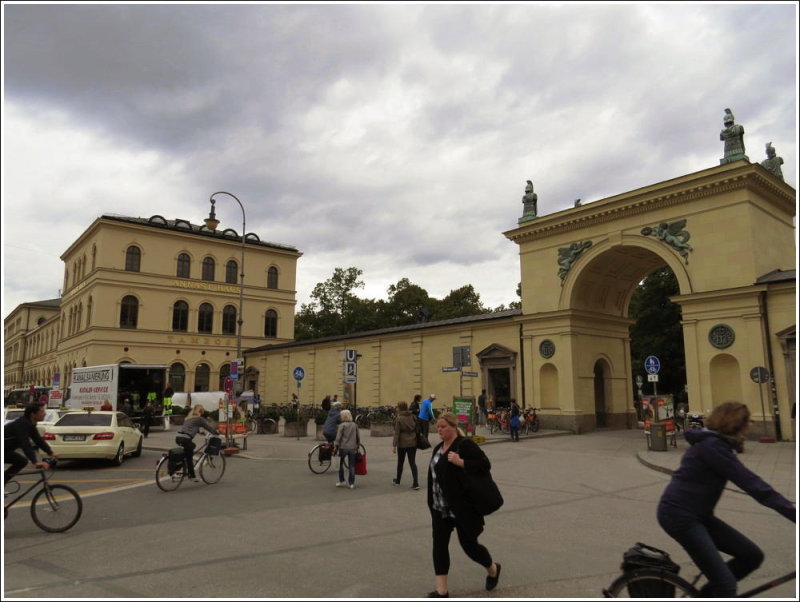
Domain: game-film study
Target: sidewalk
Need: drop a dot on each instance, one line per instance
(774, 462)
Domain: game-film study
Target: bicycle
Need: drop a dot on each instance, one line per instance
(661, 580)
(530, 421)
(54, 508)
(320, 458)
(209, 462)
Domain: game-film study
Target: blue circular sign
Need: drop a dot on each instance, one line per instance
(299, 373)
(651, 364)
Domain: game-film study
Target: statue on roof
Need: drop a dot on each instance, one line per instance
(772, 163)
(733, 136)
(529, 201)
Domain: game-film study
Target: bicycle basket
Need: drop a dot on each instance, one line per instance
(642, 556)
(214, 445)
(325, 453)
(175, 460)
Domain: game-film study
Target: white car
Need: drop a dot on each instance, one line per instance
(50, 418)
(95, 434)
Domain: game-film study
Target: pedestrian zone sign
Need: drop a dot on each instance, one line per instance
(652, 365)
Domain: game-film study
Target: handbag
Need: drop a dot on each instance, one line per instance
(361, 464)
(482, 492)
(422, 441)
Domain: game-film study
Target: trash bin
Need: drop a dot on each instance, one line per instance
(658, 436)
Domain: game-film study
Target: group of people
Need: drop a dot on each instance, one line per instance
(685, 510)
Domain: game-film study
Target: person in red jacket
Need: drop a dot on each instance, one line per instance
(686, 509)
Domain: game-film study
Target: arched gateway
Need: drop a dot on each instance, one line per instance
(727, 233)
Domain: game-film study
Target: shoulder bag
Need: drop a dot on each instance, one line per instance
(482, 491)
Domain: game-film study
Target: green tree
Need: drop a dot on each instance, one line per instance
(407, 304)
(333, 306)
(657, 331)
(459, 303)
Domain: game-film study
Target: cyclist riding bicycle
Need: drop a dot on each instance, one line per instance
(191, 426)
(332, 422)
(686, 509)
(18, 434)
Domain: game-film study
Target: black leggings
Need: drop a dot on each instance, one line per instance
(468, 538)
(411, 452)
(188, 453)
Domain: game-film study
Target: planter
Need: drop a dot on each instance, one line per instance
(295, 429)
(267, 427)
(383, 429)
(177, 419)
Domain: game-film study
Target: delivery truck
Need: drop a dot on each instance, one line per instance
(93, 385)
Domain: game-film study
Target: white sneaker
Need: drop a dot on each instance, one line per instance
(352, 486)
(341, 484)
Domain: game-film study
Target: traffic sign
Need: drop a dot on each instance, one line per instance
(227, 385)
(652, 365)
(349, 368)
(652, 378)
(350, 355)
(639, 381)
(234, 370)
(350, 379)
(759, 374)
(57, 379)
(469, 374)
(449, 369)
(299, 374)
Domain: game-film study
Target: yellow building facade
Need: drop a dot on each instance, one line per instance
(155, 291)
(726, 232)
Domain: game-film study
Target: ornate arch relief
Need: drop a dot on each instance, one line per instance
(673, 235)
(568, 255)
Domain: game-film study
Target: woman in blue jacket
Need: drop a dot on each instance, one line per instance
(686, 509)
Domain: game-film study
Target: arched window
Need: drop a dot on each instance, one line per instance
(129, 312)
(231, 269)
(133, 258)
(272, 277)
(229, 320)
(180, 316)
(224, 372)
(271, 324)
(201, 377)
(177, 377)
(89, 312)
(208, 268)
(205, 318)
(184, 267)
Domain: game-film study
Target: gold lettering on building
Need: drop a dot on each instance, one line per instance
(206, 286)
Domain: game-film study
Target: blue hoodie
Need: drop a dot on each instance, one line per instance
(705, 468)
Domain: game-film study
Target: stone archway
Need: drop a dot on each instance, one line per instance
(726, 233)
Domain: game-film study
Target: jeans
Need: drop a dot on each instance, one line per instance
(411, 452)
(703, 540)
(514, 432)
(17, 461)
(350, 454)
(188, 453)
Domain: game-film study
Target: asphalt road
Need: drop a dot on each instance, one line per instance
(271, 529)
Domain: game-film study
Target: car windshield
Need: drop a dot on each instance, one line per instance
(85, 420)
(13, 415)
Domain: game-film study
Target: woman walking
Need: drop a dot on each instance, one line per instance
(686, 509)
(346, 443)
(450, 507)
(404, 443)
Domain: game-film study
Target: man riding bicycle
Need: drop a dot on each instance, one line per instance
(18, 434)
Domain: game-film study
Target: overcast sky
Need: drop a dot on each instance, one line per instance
(393, 138)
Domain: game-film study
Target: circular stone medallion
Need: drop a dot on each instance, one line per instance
(547, 348)
(721, 336)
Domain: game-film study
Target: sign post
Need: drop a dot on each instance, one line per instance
(652, 366)
(299, 374)
(227, 386)
(760, 375)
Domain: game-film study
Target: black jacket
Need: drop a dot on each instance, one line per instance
(705, 468)
(19, 433)
(451, 479)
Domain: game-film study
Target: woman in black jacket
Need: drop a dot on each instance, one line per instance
(450, 509)
(686, 509)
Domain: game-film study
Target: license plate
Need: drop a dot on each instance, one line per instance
(74, 437)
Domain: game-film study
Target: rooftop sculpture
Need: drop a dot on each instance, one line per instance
(529, 201)
(733, 136)
(772, 163)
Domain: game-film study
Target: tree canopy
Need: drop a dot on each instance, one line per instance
(335, 309)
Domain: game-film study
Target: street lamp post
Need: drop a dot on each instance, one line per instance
(211, 223)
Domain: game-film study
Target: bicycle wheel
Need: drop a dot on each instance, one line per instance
(317, 464)
(212, 468)
(166, 481)
(361, 450)
(535, 424)
(650, 583)
(56, 508)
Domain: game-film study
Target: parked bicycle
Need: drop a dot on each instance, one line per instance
(659, 579)
(320, 457)
(209, 463)
(530, 421)
(54, 508)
